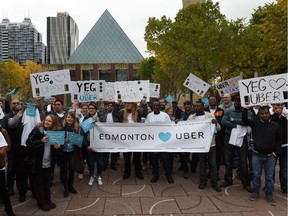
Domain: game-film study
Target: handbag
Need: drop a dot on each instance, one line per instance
(77, 163)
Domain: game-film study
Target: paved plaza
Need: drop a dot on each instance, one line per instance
(141, 197)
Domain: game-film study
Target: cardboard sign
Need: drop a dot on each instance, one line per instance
(196, 85)
(50, 83)
(132, 91)
(31, 110)
(109, 91)
(264, 90)
(56, 137)
(154, 90)
(87, 125)
(75, 139)
(86, 91)
(229, 86)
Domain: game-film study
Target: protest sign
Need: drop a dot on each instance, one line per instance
(188, 136)
(132, 91)
(87, 124)
(55, 137)
(264, 90)
(31, 110)
(109, 91)
(86, 91)
(154, 90)
(229, 86)
(196, 85)
(75, 139)
(50, 83)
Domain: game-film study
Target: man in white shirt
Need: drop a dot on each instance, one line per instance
(158, 116)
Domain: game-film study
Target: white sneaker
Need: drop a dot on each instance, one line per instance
(80, 176)
(91, 181)
(100, 182)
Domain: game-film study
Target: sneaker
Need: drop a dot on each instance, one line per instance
(80, 176)
(100, 182)
(91, 181)
(254, 196)
(270, 200)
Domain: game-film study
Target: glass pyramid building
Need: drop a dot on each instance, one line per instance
(106, 43)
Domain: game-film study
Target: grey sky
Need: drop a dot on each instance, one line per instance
(131, 15)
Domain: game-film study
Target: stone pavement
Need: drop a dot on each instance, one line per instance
(141, 197)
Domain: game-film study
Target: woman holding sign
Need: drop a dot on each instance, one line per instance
(70, 125)
(41, 154)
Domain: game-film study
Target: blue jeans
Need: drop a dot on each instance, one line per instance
(268, 162)
(92, 158)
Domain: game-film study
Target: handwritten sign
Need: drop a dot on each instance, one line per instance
(85, 91)
(154, 90)
(87, 125)
(75, 139)
(229, 86)
(264, 90)
(31, 110)
(50, 83)
(109, 91)
(132, 91)
(196, 85)
(55, 137)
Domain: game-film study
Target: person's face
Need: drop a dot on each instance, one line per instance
(198, 107)
(187, 107)
(129, 106)
(212, 101)
(156, 107)
(109, 107)
(58, 106)
(226, 98)
(69, 119)
(278, 107)
(14, 103)
(84, 110)
(237, 103)
(174, 104)
(52, 100)
(149, 110)
(264, 115)
(1, 104)
(48, 123)
(170, 112)
(91, 110)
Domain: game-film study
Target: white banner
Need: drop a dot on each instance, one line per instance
(264, 90)
(188, 136)
(50, 83)
(154, 90)
(229, 86)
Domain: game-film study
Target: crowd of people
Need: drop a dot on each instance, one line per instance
(262, 141)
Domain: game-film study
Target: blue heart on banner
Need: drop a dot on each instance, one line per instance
(164, 136)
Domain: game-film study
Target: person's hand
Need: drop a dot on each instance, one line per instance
(89, 148)
(45, 139)
(176, 121)
(67, 140)
(57, 145)
(278, 111)
(214, 121)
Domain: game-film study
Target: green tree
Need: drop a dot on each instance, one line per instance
(146, 70)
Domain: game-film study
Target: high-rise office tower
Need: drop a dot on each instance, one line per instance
(21, 42)
(62, 38)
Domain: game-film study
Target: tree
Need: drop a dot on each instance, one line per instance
(146, 70)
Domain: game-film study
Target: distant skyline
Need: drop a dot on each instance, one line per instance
(131, 15)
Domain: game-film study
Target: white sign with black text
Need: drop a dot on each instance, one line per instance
(50, 83)
(229, 86)
(196, 85)
(264, 90)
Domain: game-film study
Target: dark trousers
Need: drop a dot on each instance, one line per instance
(219, 150)
(66, 172)
(194, 162)
(10, 170)
(164, 156)
(3, 191)
(136, 161)
(184, 160)
(113, 159)
(21, 171)
(210, 159)
(242, 153)
(40, 183)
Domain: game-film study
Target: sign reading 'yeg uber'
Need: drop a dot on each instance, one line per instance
(264, 90)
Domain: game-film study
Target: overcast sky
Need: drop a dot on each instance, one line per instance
(131, 15)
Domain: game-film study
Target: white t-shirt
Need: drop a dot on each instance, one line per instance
(109, 118)
(3, 143)
(156, 118)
